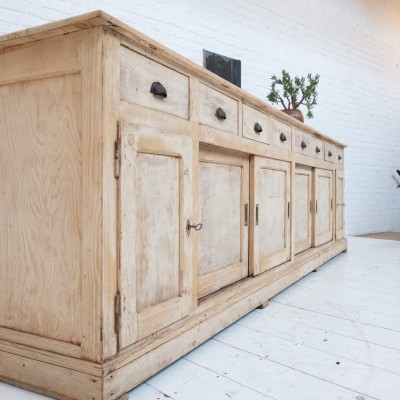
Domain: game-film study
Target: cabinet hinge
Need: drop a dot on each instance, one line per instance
(117, 158)
(117, 311)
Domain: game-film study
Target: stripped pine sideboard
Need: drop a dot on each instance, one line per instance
(146, 204)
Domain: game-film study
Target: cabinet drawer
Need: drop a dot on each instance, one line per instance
(139, 73)
(339, 156)
(318, 148)
(330, 152)
(303, 143)
(255, 125)
(218, 110)
(281, 135)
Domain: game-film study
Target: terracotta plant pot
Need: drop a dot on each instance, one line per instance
(295, 113)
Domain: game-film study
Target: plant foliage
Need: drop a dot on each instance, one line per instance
(294, 89)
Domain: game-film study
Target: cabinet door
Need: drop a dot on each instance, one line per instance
(223, 200)
(156, 201)
(270, 216)
(323, 206)
(302, 208)
(339, 204)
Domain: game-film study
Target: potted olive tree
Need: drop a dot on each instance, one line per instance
(292, 93)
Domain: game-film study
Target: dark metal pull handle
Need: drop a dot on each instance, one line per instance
(256, 214)
(220, 113)
(303, 144)
(196, 227)
(288, 209)
(282, 137)
(246, 215)
(329, 153)
(339, 157)
(158, 90)
(257, 128)
(317, 150)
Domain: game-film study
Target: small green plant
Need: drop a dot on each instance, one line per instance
(293, 90)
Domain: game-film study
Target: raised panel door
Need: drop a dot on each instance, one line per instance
(270, 215)
(302, 208)
(156, 201)
(339, 204)
(223, 202)
(323, 187)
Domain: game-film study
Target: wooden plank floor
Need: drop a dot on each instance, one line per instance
(333, 335)
(383, 235)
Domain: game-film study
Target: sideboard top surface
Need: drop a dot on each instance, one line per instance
(101, 18)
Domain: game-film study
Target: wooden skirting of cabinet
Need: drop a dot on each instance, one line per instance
(147, 205)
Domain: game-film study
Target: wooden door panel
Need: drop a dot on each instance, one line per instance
(41, 263)
(157, 181)
(270, 224)
(156, 201)
(223, 241)
(214, 249)
(302, 208)
(339, 204)
(323, 206)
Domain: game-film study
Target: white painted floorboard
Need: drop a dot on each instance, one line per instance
(333, 335)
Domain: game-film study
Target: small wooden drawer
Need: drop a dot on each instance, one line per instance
(318, 148)
(153, 85)
(255, 125)
(281, 135)
(218, 110)
(339, 155)
(330, 152)
(303, 143)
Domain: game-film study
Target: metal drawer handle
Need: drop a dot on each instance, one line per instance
(339, 157)
(220, 113)
(282, 137)
(257, 128)
(317, 150)
(329, 153)
(196, 227)
(158, 90)
(303, 144)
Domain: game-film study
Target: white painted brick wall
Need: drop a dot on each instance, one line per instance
(353, 45)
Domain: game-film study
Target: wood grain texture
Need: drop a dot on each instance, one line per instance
(323, 187)
(88, 237)
(340, 204)
(301, 139)
(156, 203)
(49, 379)
(321, 146)
(270, 215)
(302, 208)
(223, 241)
(210, 100)
(111, 106)
(252, 116)
(330, 153)
(137, 75)
(278, 127)
(41, 191)
(147, 45)
(157, 228)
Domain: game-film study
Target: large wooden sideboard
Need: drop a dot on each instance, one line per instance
(145, 205)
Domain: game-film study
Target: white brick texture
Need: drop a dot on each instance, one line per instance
(353, 45)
